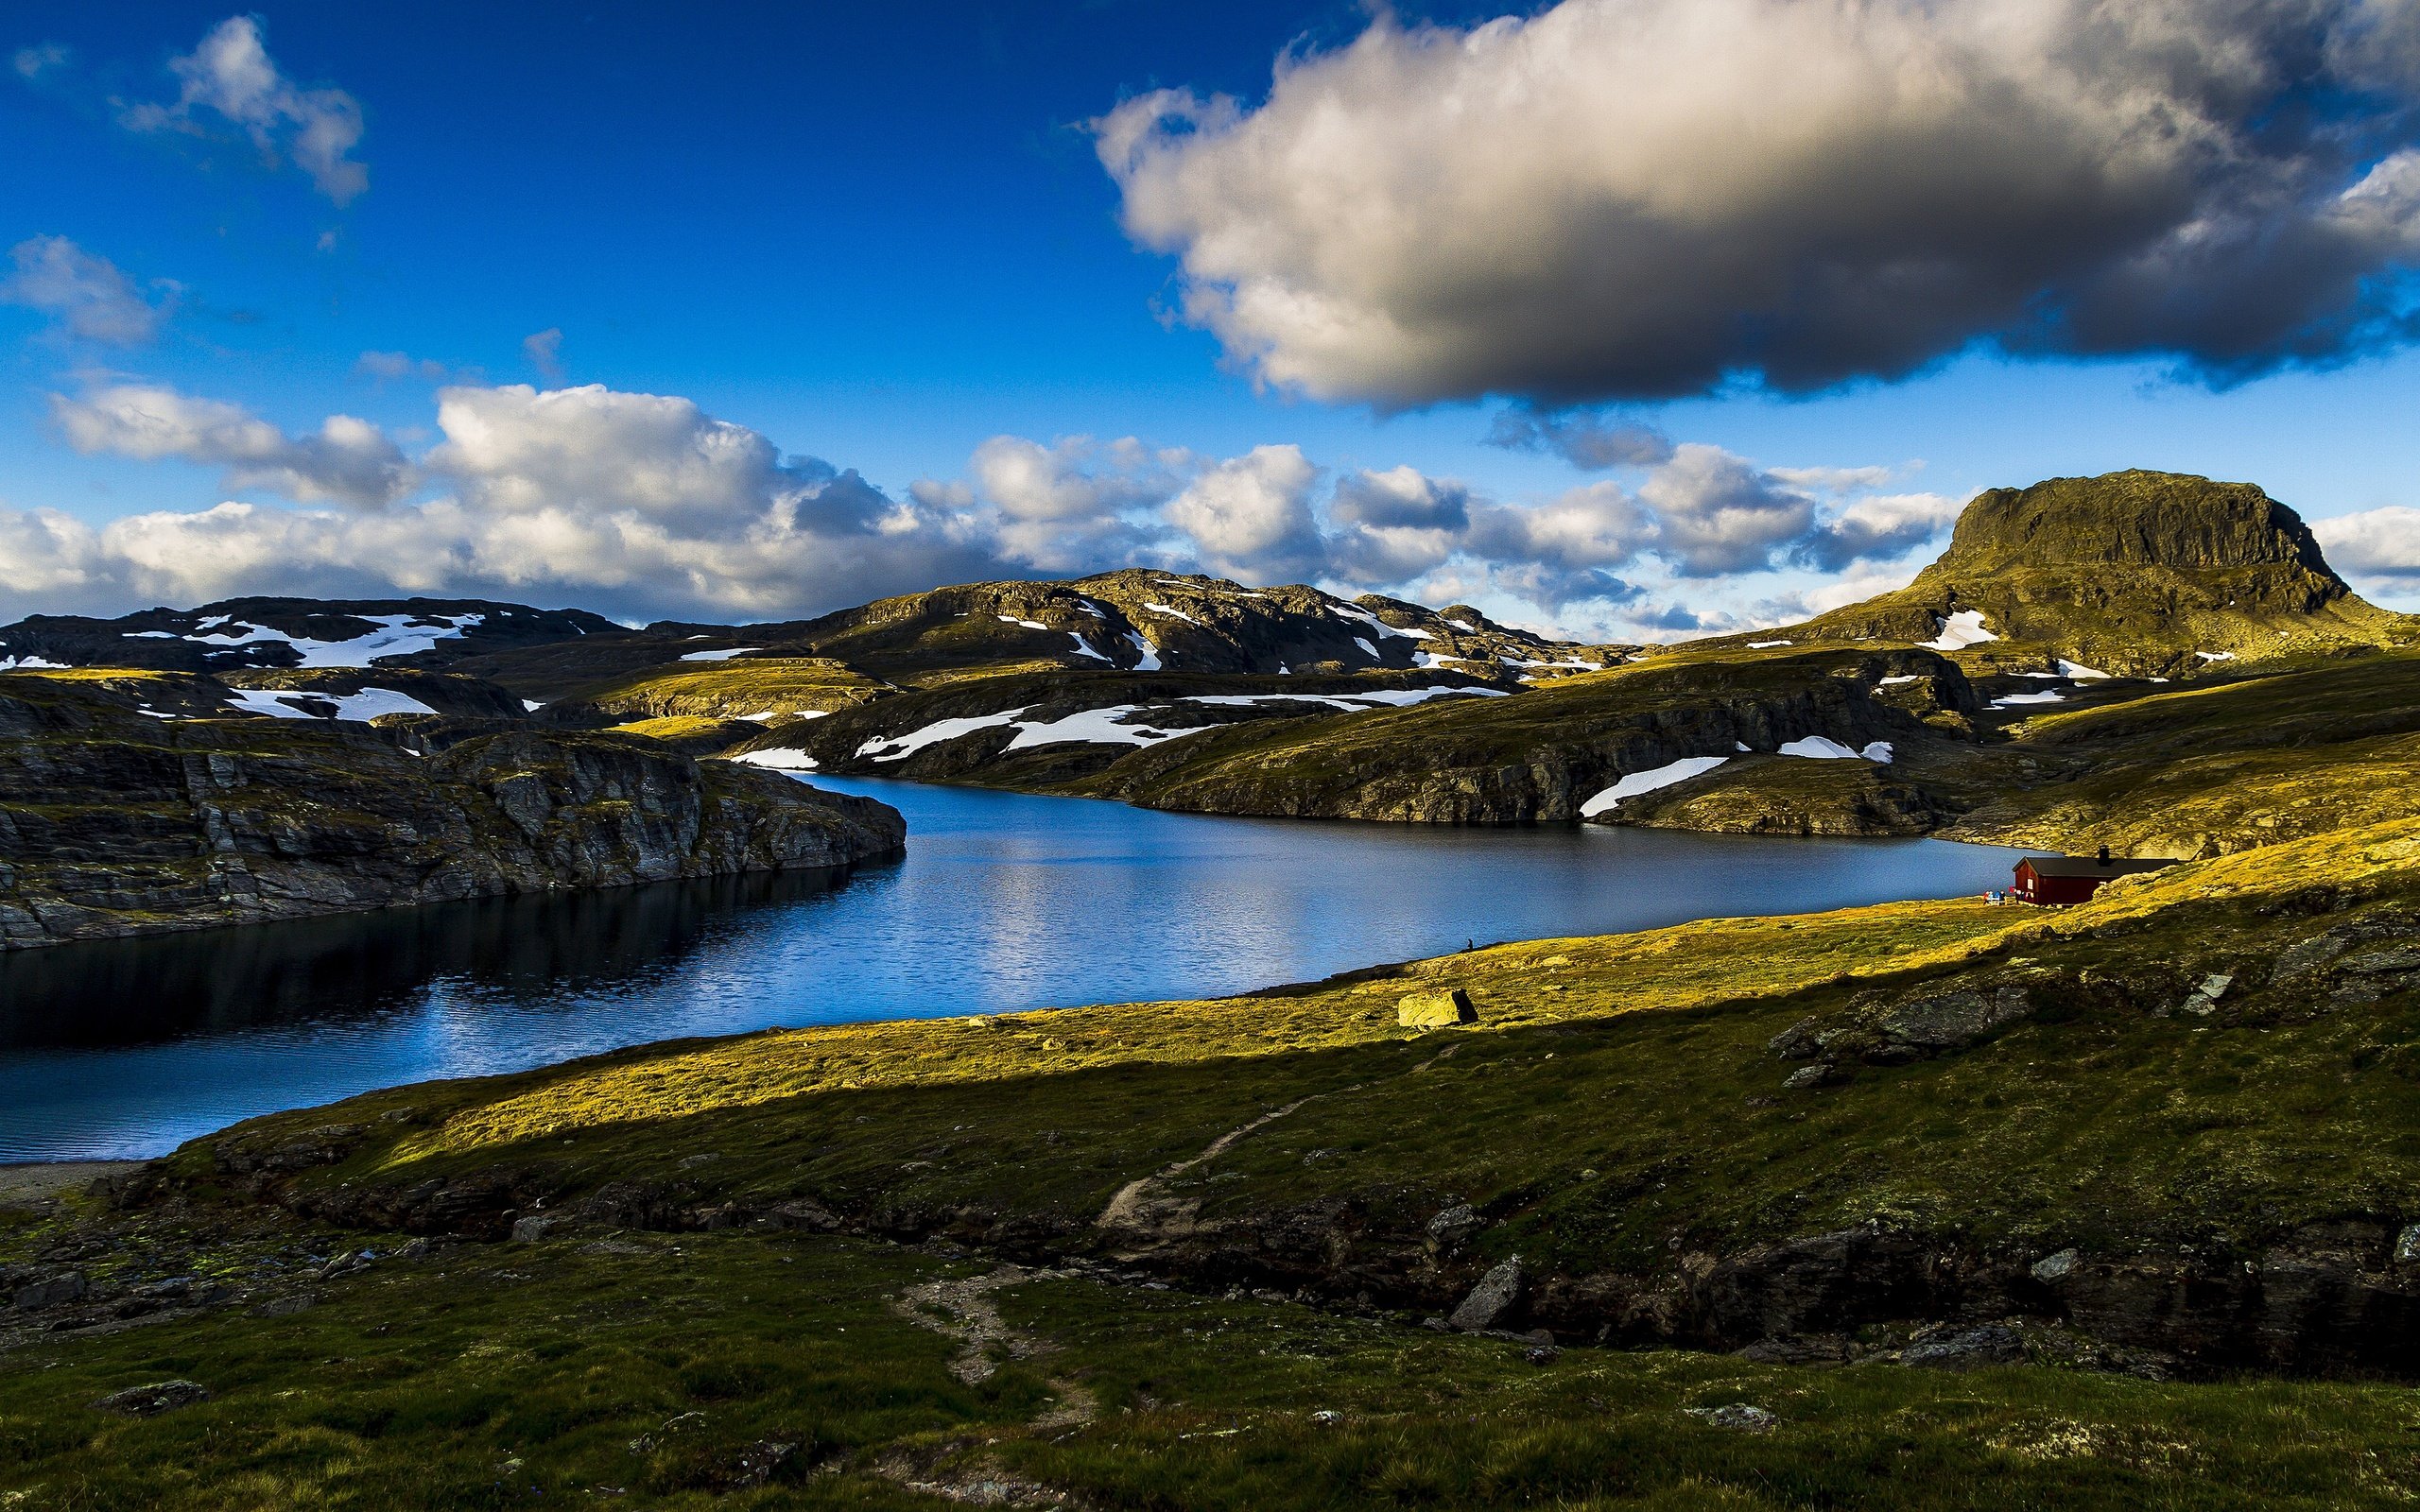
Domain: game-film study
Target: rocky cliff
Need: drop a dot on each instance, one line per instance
(2135, 573)
(127, 806)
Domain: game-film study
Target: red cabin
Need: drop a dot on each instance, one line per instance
(2056, 880)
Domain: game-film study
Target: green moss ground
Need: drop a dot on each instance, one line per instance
(644, 1369)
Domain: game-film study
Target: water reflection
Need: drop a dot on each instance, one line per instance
(1002, 902)
(529, 953)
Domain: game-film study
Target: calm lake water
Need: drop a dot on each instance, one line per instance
(127, 1048)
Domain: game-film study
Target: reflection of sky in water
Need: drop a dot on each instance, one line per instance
(1003, 901)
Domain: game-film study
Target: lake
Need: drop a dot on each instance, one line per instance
(126, 1048)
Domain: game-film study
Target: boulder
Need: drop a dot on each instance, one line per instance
(1492, 1300)
(51, 1291)
(1436, 1010)
(1965, 1349)
(1950, 1021)
(2051, 1269)
(153, 1398)
(1745, 1416)
(1449, 1228)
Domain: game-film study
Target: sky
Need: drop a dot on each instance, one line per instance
(1626, 318)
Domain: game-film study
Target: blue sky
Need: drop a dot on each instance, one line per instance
(882, 236)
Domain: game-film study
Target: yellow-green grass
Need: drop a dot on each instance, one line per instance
(1617, 1094)
(731, 690)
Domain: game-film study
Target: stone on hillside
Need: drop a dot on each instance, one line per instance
(1950, 1021)
(1492, 1300)
(2407, 1245)
(68, 1286)
(1450, 1228)
(1745, 1416)
(155, 1398)
(2058, 1267)
(1806, 1078)
(1436, 1010)
(530, 1230)
(1967, 1349)
(1798, 1042)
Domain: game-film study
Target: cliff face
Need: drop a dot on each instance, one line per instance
(117, 821)
(1541, 755)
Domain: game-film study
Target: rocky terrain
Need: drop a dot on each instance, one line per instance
(1957, 705)
(134, 802)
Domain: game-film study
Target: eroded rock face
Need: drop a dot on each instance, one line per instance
(114, 822)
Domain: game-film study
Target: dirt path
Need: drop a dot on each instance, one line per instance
(964, 1310)
(1139, 1207)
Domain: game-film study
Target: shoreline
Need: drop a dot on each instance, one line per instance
(37, 1181)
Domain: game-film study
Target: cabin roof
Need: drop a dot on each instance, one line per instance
(2089, 866)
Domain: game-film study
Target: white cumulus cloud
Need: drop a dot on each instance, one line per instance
(231, 76)
(1643, 199)
(88, 294)
(346, 460)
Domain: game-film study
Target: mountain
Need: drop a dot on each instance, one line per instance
(292, 632)
(136, 803)
(1943, 705)
(2135, 574)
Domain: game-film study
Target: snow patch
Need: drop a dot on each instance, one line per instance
(1084, 647)
(365, 706)
(779, 761)
(1818, 747)
(531, 706)
(1647, 781)
(2046, 696)
(29, 663)
(2078, 670)
(395, 635)
(1764, 645)
(1964, 628)
(154, 635)
(1367, 649)
(899, 747)
(1901, 680)
(1150, 653)
(1172, 613)
(2215, 656)
(1354, 612)
(720, 656)
(1030, 624)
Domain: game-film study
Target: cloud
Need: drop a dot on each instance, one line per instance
(347, 460)
(1647, 199)
(628, 503)
(1589, 441)
(1250, 515)
(31, 64)
(2379, 546)
(644, 503)
(545, 350)
(1877, 529)
(232, 76)
(393, 365)
(87, 294)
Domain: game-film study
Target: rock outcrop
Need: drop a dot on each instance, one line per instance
(116, 819)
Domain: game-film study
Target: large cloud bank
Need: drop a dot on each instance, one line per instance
(646, 506)
(1646, 198)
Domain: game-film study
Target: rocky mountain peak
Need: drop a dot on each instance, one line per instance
(2135, 518)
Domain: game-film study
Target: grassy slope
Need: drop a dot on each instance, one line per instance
(648, 1373)
(2226, 767)
(1616, 1096)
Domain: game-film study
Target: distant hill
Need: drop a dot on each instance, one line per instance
(292, 632)
(2135, 573)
